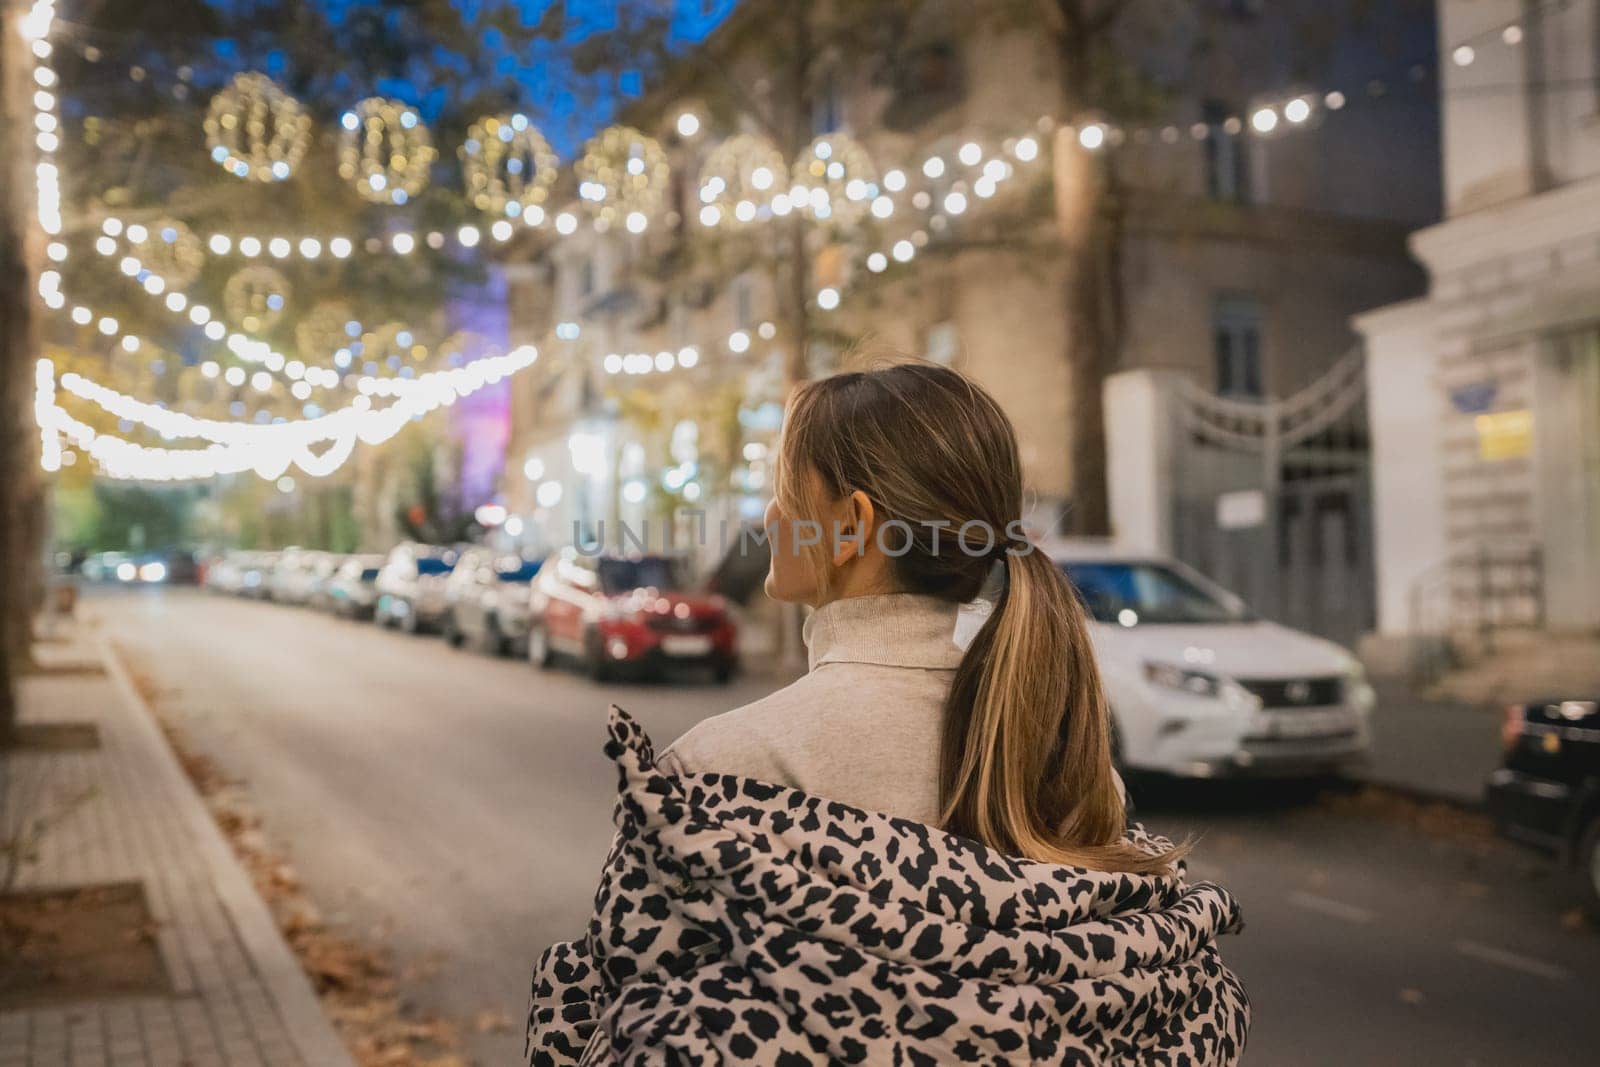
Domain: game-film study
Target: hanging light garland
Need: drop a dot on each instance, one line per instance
(256, 297)
(740, 179)
(255, 130)
(623, 177)
(386, 151)
(507, 164)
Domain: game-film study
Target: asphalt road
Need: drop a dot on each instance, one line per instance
(457, 808)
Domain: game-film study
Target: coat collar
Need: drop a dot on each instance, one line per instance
(892, 630)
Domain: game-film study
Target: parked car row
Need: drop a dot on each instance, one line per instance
(610, 615)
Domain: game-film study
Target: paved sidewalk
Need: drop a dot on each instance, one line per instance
(1432, 748)
(239, 996)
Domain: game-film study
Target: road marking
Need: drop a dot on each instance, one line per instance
(1514, 960)
(1338, 909)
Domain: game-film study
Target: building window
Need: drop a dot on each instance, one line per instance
(827, 107)
(1227, 155)
(1236, 327)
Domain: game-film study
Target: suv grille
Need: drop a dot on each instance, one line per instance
(1297, 692)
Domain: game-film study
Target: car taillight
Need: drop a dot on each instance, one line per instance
(1511, 727)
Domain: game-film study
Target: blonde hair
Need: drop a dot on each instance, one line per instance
(1025, 759)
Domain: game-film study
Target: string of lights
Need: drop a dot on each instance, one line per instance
(258, 132)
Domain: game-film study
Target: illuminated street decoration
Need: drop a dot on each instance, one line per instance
(385, 150)
(256, 298)
(834, 180)
(324, 330)
(507, 164)
(740, 180)
(623, 177)
(171, 250)
(255, 130)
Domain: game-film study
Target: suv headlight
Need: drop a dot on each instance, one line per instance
(1201, 684)
(1195, 683)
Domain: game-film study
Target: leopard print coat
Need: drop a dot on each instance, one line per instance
(741, 922)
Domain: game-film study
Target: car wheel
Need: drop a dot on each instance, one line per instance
(722, 671)
(594, 658)
(452, 631)
(538, 646)
(1589, 865)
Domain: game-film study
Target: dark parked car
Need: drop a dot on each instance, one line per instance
(625, 613)
(487, 595)
(1547, 794)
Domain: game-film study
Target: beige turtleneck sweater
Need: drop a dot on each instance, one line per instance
(862, 726)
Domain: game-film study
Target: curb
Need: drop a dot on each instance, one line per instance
(1424, 795)
(308, 1028)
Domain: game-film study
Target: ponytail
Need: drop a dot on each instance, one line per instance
(1025, 764)
(1025, 760)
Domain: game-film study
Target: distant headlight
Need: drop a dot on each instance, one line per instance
(1196, 683)
(127, 572)
(153, 572)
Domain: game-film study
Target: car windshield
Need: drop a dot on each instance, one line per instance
(370, 574)
(519, 572)
(1131, 594)
(657, 572)
(432, 565)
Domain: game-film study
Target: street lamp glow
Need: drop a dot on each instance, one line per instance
(468, 236)
(688, 356)
(955, 203)
(738, 342)
(877, 263)
(970, 153)
(688, 124)
(710, 215)
(934, 167)
(501, 230)
(1092, 137)
(219, 244)
(894, 181)
(882, 207)
(533, 469)
(1026, 150)
(403, 243)
(340, 247)
(637, 221)
(828, 299)
(566, 223)
(903, 251)
(1334, 100)
(1265, 120)
(310, 247)
(548, 494)
(1297, 110)
(1464, 55)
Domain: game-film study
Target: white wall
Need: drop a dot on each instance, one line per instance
(1403, 407)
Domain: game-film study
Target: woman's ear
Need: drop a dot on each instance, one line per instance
(857, 525)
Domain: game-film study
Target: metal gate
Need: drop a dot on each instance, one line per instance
(1273, 500)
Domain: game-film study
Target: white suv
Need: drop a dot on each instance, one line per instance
(1201, 688)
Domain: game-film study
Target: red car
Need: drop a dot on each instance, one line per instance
(626, 614)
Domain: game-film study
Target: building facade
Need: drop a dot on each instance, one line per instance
(1485, 393)
(1244, 252)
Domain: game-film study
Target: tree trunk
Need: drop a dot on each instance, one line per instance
(1089, 217)
(19, 478)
